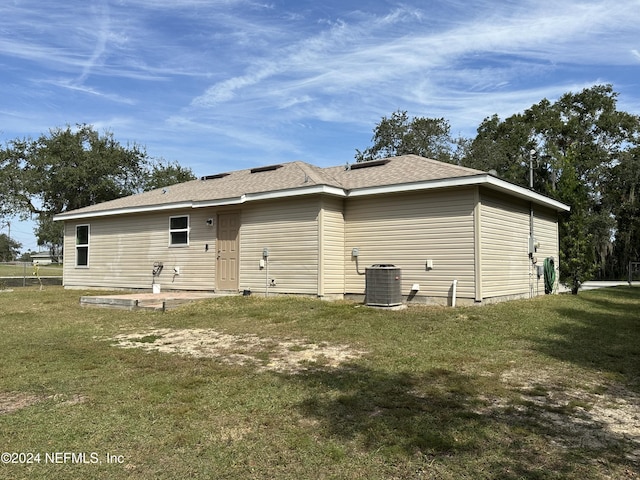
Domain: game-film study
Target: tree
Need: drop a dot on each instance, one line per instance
(583, 136)
(502, 146)
(164, 173)
(399, 135)
(587, 154)
(621, 194)
(9, 248)
(25, 257)
(578, 140)
(69, 169)
(576, 239)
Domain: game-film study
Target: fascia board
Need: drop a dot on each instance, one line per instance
(251, 197)
(525, 193)
(274, 195)
(412, 187)
(121, 211)
(473, 180)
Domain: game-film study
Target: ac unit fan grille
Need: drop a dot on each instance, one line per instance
(383, 286)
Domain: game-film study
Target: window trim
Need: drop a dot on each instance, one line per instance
(82, 245)
(186, 230)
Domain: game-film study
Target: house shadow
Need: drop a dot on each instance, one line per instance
(434, 415)
(604, 336)
(395, 412)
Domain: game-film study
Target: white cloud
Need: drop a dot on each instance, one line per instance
(260, 67)
(223, 84)
(372, 58)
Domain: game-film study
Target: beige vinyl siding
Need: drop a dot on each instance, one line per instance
(288, 228)
(504, 245)
(406, 230)
(122, 251)
(331, 238)
(545, 224)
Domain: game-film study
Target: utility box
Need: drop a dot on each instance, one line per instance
(383, 286)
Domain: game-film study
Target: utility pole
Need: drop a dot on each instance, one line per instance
(532, 155)
(7, 223)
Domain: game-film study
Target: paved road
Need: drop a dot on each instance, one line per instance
(592, 285)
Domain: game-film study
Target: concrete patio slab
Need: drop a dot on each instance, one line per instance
(147, 301)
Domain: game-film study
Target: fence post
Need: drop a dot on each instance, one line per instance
(24, 274)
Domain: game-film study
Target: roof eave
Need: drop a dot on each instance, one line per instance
(273, 195)
(249, 197)
(525, 193)
(484, 179)
(120, 211)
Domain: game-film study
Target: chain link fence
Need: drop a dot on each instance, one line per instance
(27, 274)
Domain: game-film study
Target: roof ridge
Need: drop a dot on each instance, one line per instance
(318, 175)
(439, 162)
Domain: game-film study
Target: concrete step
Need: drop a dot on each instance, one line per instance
(109, 302)
(145, 301)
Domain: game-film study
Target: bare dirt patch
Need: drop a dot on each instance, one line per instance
(13, 401)
(284, 356)
(593, 416)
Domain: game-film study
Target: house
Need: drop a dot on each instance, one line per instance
(295, 228)
(42, 258)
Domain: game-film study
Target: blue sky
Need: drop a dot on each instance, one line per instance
(220, 85)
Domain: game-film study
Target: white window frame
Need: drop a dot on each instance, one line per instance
(78, 246)
(179, 230)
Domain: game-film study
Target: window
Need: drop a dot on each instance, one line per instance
(179, 231)
(82, 245)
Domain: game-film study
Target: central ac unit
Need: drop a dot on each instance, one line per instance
(383, 286)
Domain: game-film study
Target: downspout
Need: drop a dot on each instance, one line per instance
(266, 277)
(320, 252)
(532, 154)
(477, 225)
(531, 250)
(454, 293)
(265, 258)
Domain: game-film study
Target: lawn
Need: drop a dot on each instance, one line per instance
(27, 269)
(292, 388)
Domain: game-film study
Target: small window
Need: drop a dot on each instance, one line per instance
(179, 231)
(82, 245)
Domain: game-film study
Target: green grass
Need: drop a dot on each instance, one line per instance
(509, 391)
(19, 270)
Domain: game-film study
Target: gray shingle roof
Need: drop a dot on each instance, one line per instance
(291, 177)
(233, 185)
(397, 170)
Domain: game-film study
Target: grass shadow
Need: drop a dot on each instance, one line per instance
(442, 414)
(601, 332)
(396, 412)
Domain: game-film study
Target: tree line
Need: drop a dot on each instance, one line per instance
(70, 168)
(586, 154)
